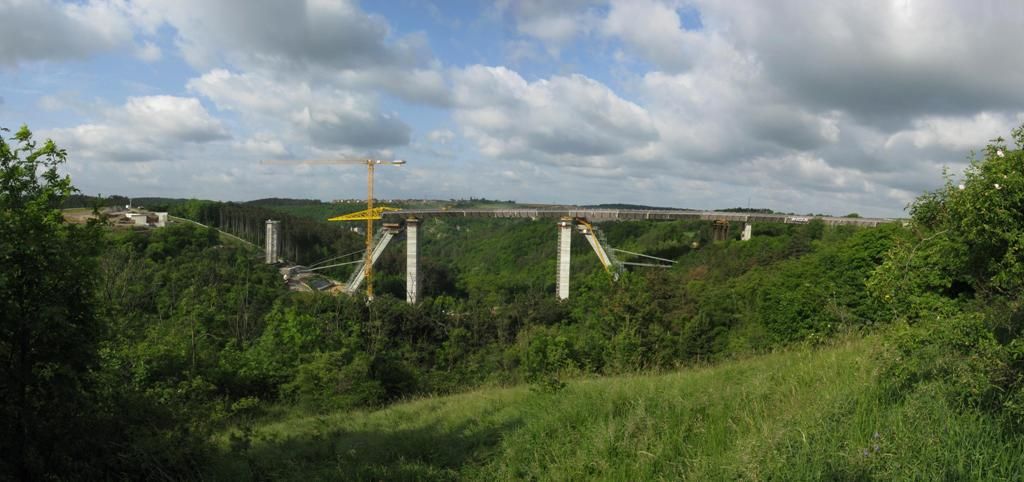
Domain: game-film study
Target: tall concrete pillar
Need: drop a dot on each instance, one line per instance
(564, 245)
(273, 241)
(720, 230)
(748, 229)
(412, 261)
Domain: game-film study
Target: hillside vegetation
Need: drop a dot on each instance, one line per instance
(168, 354)
(800, 414)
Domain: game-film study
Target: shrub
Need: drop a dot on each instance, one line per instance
(957, 353)
(335, 380)
(958, 286)
(544, 352)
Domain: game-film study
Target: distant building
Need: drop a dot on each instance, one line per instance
(137, 219)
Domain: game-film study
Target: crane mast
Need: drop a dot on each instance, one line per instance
(369, 215)
(368, 264)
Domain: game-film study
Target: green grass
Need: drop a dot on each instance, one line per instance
(224, 237)
(803, 414)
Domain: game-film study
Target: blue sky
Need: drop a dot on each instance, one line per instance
(825, 106)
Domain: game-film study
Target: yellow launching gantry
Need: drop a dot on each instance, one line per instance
(369, 215)
(611, 265)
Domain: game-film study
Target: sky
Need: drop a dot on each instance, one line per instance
(824, 106)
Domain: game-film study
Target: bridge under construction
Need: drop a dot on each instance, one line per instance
(601, 215)
(567, 219)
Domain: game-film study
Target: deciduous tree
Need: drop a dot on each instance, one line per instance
(48, 331)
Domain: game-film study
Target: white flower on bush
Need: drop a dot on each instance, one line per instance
(997, 186)
(999, 152)
(961, 187)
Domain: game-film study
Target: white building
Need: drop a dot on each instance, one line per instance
(137, 219)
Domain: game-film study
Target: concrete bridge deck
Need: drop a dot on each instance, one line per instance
(601, 215)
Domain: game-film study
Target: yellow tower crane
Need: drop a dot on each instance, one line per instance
(369, 215)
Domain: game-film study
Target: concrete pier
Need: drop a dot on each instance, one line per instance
(719, 230)
(273, 242)
(412, 261)
(564, 245)
(748, 229)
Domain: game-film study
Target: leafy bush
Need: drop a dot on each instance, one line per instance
(335, 380)
(543, 353)
(339, 380)
(957, 283)
(957, 353)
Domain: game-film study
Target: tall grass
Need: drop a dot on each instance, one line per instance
(803, 414)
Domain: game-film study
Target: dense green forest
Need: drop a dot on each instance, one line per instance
(136, 354)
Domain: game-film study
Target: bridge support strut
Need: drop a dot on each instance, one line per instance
(383, 238)
(564, 245)
(748, 228)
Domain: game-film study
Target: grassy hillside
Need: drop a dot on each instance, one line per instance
(801, 414)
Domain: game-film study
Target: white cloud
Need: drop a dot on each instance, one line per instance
(51, 103)
(250, 94)
(328, 117)
(148, 52)
(519, 51)
(956, 133)
(883, 61)
(419, 85)
(655, 30)
(264, 145)
(567, 120)
(294, 32)
(36, 30)
(441, 136)
(553, 22)
(328, 42)
(144, 129)
(552, 29)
